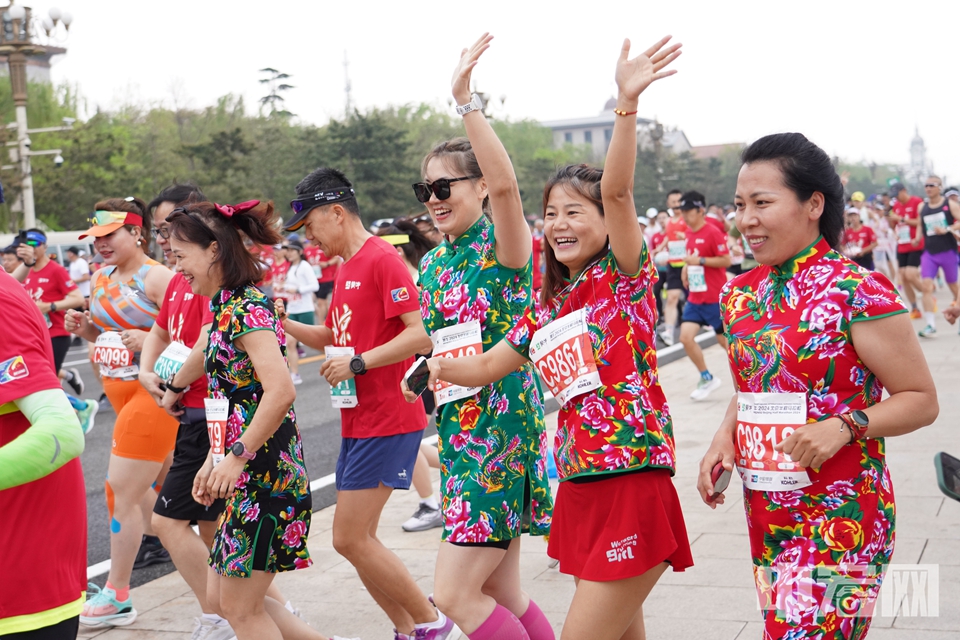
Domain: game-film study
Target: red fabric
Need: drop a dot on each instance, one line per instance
(312, 255)
(863, 238)
(265, 253)
(537, 260)
(372, 290)
(910, 211)
(707, 242)
(676, 227)
(51, 284)
(595, 538)
(181, 315)
(656, 240)
(717, 224)
(278, 277)
(48, 548)
(329, 273)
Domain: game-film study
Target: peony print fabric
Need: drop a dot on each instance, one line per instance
(265, 524)
(818, 552)
(493, 444)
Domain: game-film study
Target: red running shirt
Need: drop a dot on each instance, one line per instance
(707, 242)
(909, 211)
(373, 289)
(50, 284)
(182, 314)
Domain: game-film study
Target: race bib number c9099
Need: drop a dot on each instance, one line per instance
(115, 360)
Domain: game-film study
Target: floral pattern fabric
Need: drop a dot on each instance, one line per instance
(266, 520)
(493, 444)
(625, 423)
(818, 552)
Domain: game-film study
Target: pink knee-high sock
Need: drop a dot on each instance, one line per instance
(501, 625)
(536, 624)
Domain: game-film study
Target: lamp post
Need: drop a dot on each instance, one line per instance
(16, 42)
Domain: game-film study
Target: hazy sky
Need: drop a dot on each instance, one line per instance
(855, 77)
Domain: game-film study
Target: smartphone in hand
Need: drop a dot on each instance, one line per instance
(417, 376)
(721, 480)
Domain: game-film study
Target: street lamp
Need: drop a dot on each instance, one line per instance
(17, 42)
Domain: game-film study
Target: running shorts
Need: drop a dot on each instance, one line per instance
(909, 259)
(142, 431)
(931, 263)
(704, 314)
(176, 495)
(674, 279)
(365, 463)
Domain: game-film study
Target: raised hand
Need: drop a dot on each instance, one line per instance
(633, 76)
(468, 60)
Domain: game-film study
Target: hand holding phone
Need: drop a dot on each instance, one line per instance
(721, 480)
(417, 376)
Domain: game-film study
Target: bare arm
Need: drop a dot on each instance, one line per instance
(476, 371)
(153, 345)
(616, 185)
(314, 336)
(721, 450)
(511, 232)
(192, 369)
(155, 284)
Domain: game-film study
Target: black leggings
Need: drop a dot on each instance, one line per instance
(66, 630)
(61, 344)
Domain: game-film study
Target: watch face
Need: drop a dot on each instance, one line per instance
(860, 418)
(237, 449)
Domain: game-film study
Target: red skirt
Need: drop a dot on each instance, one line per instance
(619, 527)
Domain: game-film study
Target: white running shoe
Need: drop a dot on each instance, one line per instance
(424, 518)
(296, 378)
(928, 332)
(667, 336)
(204, 629)
(705, 388)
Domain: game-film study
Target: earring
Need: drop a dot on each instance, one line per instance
(139, 242)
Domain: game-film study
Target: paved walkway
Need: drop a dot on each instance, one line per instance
(713, 600)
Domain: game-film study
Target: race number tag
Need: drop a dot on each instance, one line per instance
(344, 395)
(903, 234)
(317, 270)
(763, 421)
(115, 360)
(457, 341)
(563, 356)
(171, 360)
(696, 278)
(677, 249)
(217, 410)
(934, 221)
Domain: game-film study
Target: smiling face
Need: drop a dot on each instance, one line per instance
(773, 221)
(463, 208)
(573, 227)
(198, 266)
(160, 224)
(119, 247)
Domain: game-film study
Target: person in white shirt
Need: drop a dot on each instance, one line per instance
(299, 290)
(79, 271)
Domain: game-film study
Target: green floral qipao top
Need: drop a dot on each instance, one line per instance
(492, 444)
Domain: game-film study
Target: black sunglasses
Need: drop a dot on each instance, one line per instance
(440, 188)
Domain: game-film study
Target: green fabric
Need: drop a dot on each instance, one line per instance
(53, 439)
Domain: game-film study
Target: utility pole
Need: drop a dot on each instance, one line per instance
(347, 87)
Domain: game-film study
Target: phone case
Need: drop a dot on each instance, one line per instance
(942, 474)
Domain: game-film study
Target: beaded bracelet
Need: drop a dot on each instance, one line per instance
(621, 112)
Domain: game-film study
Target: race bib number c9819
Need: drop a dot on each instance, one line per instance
(563, 355)
(764, 420)
(459, 341)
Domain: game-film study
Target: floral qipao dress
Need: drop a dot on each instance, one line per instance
(492, 444)
(819, 551)
(264, 526)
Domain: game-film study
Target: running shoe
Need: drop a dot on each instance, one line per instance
(915, 314)
(928, 332)
(204, 629)
(445, 629)
(76, 382)
(423, 518)
(102, 609)
(667, 336)
(150, 553)
(301, 352)
(104, 403)
(705, 388)
(296, 378)
(87, 414)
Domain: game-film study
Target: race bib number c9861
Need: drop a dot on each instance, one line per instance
(563, 355)
(764, 420)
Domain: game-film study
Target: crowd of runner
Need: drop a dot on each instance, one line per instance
(198, 356)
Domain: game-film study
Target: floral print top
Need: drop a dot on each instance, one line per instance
(789, 330)
(493, 444)
(624, 424)
(272, 502)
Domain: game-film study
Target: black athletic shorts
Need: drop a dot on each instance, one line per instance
(325, 289)
(909, 259)
(674, 281)
(176, 495)
(61, 344)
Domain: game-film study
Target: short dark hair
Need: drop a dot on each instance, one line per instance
(672, 192)
(178, 193)
(9, 249)
(806, 169)
(201, 224)
(328, 179)
(73, 250)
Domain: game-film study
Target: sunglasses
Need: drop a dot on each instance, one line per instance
(440, 188)
(930, 185)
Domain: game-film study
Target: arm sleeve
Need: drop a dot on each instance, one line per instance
(53, 439)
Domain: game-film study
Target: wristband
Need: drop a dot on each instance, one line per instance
(171, 387)
(621, 112)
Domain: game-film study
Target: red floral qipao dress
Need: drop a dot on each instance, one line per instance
(818, 552)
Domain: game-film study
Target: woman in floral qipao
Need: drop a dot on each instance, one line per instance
(810, 324)
(264, 527)
(614, 443)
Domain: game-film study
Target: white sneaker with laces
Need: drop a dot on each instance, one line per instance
(705, 388)
(667, 336)
(424, 518)
(204, 629)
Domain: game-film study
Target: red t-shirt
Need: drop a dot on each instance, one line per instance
(707, 242)
(374, 288)
(182, 314)
(50, 284)
(675, 230)
(278, 278)
(312, 255)
(329, 274)
(861, 239)
(43, 538)
(909, 211)
(265, 253)
(717, 224)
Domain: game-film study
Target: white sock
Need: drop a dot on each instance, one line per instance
(441, 620)
(931, 318)
(289, 606)
(430, 502)
(214, 618)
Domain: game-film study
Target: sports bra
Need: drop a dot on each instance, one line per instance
(116, 306)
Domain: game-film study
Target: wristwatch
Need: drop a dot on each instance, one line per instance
(857, 421)
(241, 451)
(475, 104)
(703, 261)
(170, 387)
(53, 306)
(357, 366)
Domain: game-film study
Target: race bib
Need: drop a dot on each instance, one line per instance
(903, 234)
(696, 278)
(217, 410)
(115, 360)
(677, 249)
(563, 356)
(763, 421)
(316, 270)
(171, 360)
(458, 341)
(934, 221)
(344, 394)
